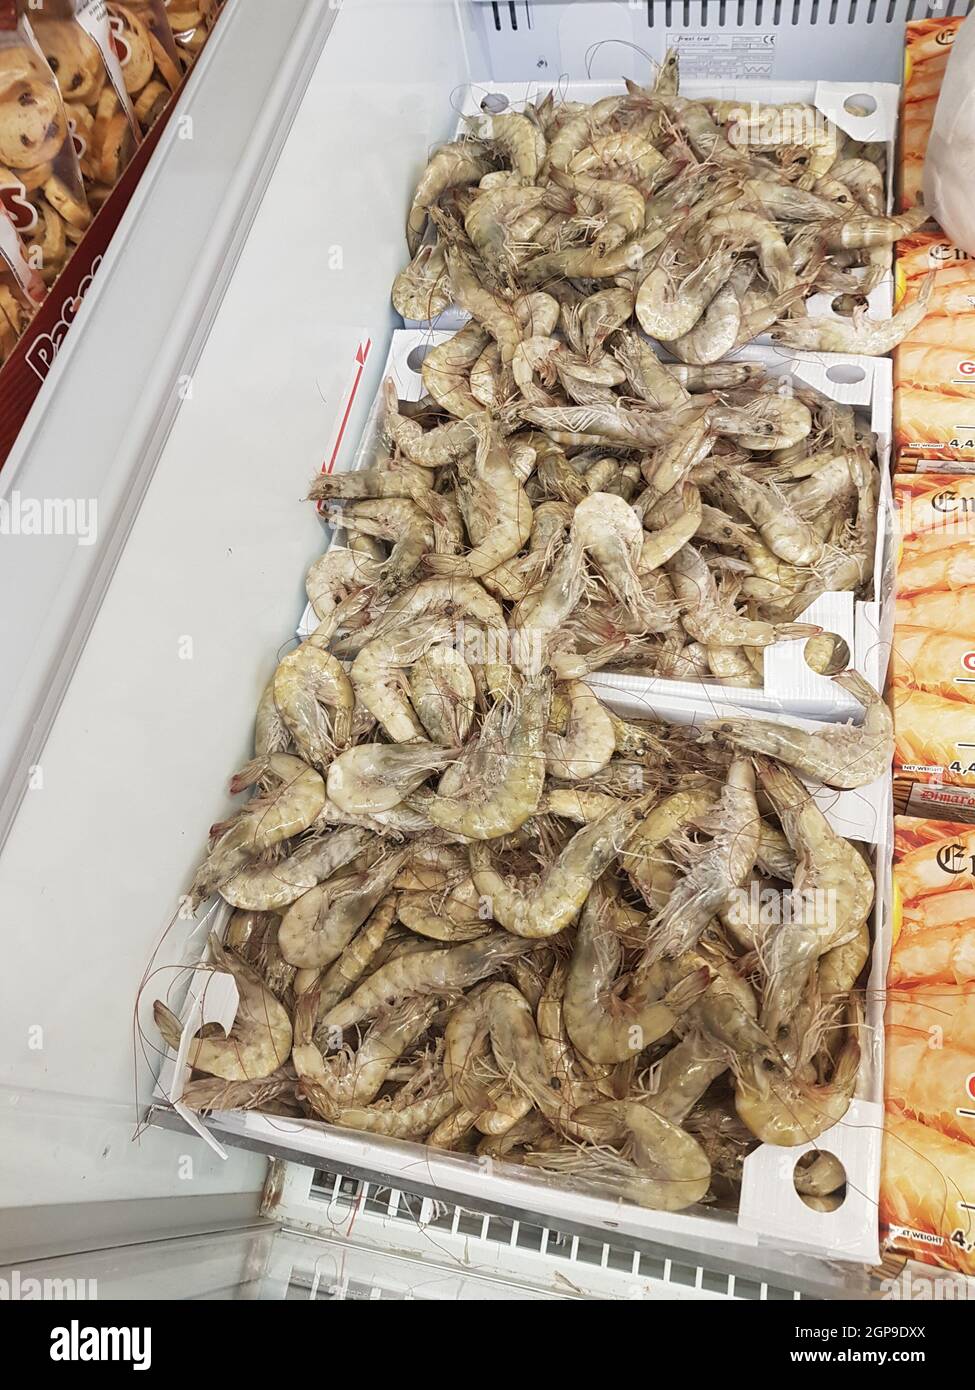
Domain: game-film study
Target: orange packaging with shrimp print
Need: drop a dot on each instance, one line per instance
(927, 47)
(932, 664)
(927, 1187)
(934, 368)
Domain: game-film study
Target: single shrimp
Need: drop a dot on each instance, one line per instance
(492, 220)
(451, 912)
(259, 1040)
(427, 972)
(603, 1026)
(870, 337)
(290, 799)
(338, 584)
(609, 530)
(669, 1171)
(833, 892)
(271, 733)
(519, 140)
(839, 755)
(451, 166)
(546, 907)
(307, 683)
(588, 741)
(747, 229)
(412, 1122)
(649, 378)
(347, 970)
(319, 925)
(378, 675)
(668, 306)
(442, 692)
(446, 371)
(711, 880)
(780, 1108)
(498, 1014)
(374, 777)
(624, 154)
(271, 887)
(503, 775)
(421, 291)
(433, 448)
(712, 621)
(783, 529)
(497, 509)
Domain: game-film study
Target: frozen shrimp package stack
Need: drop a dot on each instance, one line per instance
(928, 1184)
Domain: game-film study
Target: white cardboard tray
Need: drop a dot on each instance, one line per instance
(790, 685)
(770, 1211)
(829, 98)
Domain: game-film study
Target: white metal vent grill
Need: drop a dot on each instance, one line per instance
(397, 1244)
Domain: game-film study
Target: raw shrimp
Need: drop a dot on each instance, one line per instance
(442, 692)
(432, 448)
(668, 305)
(500, 1013)
(518, 139)
(412, 1122)
(589, 740)
(659, 824)
(452, 912)
(603, 1026)
(833, 892)
(545, 907)
(871, 337)
(271, 733)
(437, 972)
(840, 755)
(446, 370)
(783, 530)
(307, 683)
(292, 795)
(502, 778)
(422, 290)
(378, 675)
(669, 1171)
(780, 1108)
(375, 777)
(343, 974)
(709, 619)
(407, 522)
(451, 166)
(649, 378)
(338, 585)
(498, 512)
(608, 529)
(710, 881)
(271, 887)
(319, 925)
(259, 1040)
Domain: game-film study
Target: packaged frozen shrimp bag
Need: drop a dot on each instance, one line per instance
(934, 367)
(147, 54)
(41, 185)
(76, 37)
(927, 48)
(932, 665)
(927, 1191)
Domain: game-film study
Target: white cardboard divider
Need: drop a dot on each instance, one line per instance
(833, 100)
(770, 1210)
(791, 686)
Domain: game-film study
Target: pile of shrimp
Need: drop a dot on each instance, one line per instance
(670, 519)
(709, 222)
(479, 909)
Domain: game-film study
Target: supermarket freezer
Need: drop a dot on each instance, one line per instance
(229, 347)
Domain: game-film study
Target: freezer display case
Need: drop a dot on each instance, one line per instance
(230, 348)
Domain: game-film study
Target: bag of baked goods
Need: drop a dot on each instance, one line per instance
(147, 54)
(76, 38)
(40, 179)
(190, 22)
(927, 1191)
(21, 287)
